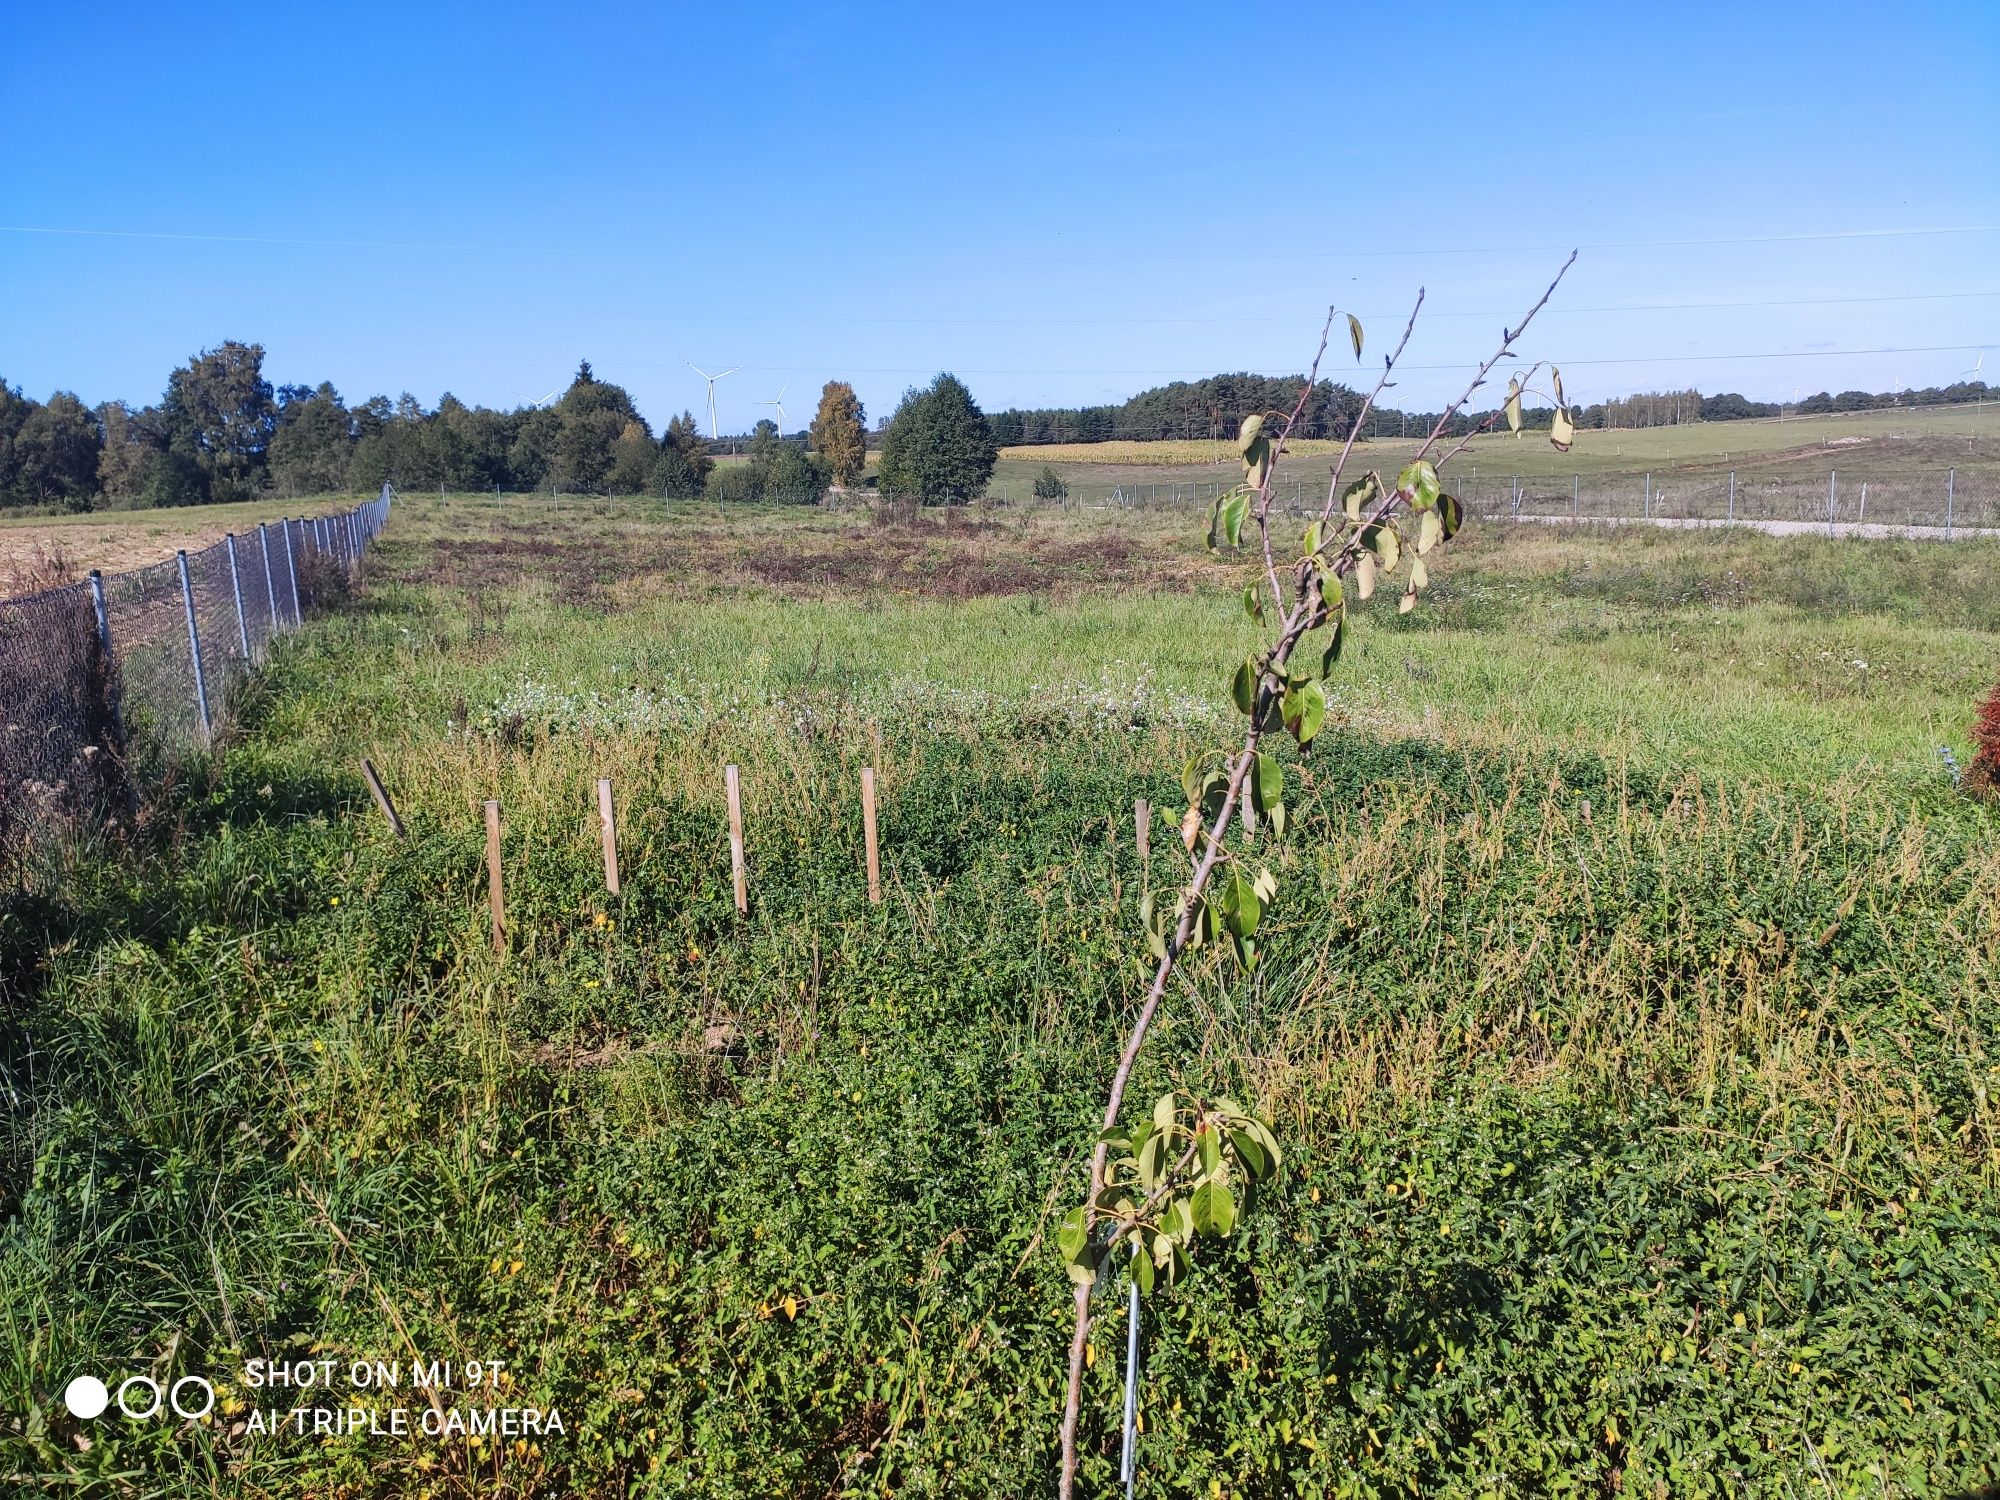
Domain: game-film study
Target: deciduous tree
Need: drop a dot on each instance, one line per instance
(839, 433)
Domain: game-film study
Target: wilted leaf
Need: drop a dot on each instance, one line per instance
(1408, 602)
(1354, 333)
(1364, 576)
(1430, 530)
(1556, 379)
(1514, 406)
(1562, 430)
(1420, 576)
(1252, 426)
(1385, 544)
(1451, 516)
(1363, 492)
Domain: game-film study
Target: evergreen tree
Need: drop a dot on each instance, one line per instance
(938, 449)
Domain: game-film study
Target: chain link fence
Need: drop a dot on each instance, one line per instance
(1943, 504)
(150, 659)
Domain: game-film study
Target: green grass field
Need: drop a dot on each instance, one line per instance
(1628, 1016)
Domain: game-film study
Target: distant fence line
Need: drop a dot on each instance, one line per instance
(90, 671)
(1948, 501)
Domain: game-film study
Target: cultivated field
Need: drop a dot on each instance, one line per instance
(1629, 1019)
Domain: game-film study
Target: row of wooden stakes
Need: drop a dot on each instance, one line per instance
(607, 816)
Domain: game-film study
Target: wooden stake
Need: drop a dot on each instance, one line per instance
(868, 831)
(607, 815)
(732, 782)
(382, 798)
(1142, 826)
(493, 896)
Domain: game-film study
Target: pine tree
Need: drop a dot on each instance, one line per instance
(840, 434)
(938, 449)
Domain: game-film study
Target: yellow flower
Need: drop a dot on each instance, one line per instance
(333, 901)
(1737, 1320)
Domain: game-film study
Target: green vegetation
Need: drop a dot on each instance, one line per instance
(938, 448)
(1632, 1052)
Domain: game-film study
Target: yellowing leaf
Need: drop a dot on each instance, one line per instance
(791, 1307)
(1354, 333)
(1562, 431)
(1364, 576)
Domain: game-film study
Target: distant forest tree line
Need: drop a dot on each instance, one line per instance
(223, 432)
(1213, 408)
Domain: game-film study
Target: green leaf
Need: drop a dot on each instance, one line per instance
(1070, 1234)
(1420, 482)
(1451, 516)
(1354, 333)
(1214, 1209)
(1208, 1144)
(1361, 494)
(1248, 1152)
(1253, 425)
(1252, 605)
(1243, 686)
(1562, 430)
(1164, 1115)
(1233, 508)
(1309, 545)
(1333, 646)
(1268, 789)
(1256, 462)
(1305, 711)
(1142, 1271)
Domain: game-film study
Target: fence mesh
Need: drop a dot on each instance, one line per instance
(157, 667)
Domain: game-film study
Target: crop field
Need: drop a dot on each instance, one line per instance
(1895, 451)
(1629, 1021)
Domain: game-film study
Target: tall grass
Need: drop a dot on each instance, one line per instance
(1583, 1047)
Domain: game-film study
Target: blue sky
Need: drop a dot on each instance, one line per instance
(1062, 204)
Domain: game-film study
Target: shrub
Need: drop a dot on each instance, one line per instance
(736, 483)
(1049, 484)
(1984, 774)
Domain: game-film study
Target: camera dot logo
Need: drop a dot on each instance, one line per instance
(86, 1397)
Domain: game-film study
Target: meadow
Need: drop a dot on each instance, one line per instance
(1628, 1017)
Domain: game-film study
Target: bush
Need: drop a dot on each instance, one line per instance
(792, 478)
(1984, 774)
(1049, 484)
(737, 483)
(676, 477)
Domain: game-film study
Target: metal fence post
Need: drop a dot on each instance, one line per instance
(270, 579)
(236, 588)
(1128, 1468)
(104, 648)
(1950, 475)
(1647, 510)
(1732, 494)
(194, 646)
(1575, 496)
(1832, 478)
(292, 572)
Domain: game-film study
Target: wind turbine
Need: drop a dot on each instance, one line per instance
(780, 404)
(543, 401)
(1977, 365)
(711, 379)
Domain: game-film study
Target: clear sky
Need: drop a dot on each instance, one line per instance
(1062, 203)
